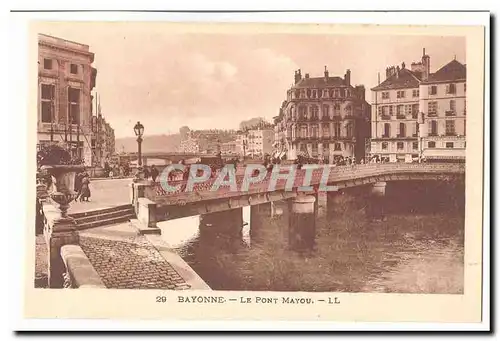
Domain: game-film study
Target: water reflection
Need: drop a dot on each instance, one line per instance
(418, 247)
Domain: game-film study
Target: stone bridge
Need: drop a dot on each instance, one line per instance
(153, 204)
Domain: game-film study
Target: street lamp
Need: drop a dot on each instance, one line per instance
(139, 131)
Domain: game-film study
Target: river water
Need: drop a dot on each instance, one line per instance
(417, 248)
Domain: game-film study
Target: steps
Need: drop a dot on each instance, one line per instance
(105, 216)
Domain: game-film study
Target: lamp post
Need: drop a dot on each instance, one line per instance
(139, 131)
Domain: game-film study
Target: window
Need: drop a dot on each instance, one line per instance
(337, 146)
(399, 111)
(433, 90)
(414, 111)
(74, 105)
(415, 145)
(326, 110)
(451, 88)
(336, 129)
(348, 110)
(450, 127)
(349, 130)
(326, 130)
(303, 131)
(314, 130)
(384, 145)
(465, 87)
(400, 145)
(47, 102)
(391, 110)
(408, 110)
(465, 107)
(47, 64)
(415, 93)
(387, 130)
(415, 129)
(402, 130)
(336, 110)
(308, 91)
(449, 144)
(431, 144)
(385, 95)
(432, 108)
(73, 69)
(400, 94)
(314, 112)
(432, 128)
(302, 112)
(452, 110)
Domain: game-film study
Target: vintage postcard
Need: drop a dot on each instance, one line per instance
(249, 171)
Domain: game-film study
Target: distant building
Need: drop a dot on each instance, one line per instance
(323, 117)
(65, 81)
(416, 113)
(260, 141)
(229, 148)
(103, 140)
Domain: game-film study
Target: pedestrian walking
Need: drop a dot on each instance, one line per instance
(85, 188)
(154, 173)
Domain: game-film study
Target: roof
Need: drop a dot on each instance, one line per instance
(319, 82)
(452, 71)
(406, 79)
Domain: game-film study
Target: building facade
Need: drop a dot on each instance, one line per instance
(323, 117)
(444, 109)
(259, 142)
(103, 140)
(65, 81)
(418, 114)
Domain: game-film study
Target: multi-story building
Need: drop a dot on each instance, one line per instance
(242, 143)
(260, 141)
(443, 104)
(65, 81)
(103, 140)
(408, 102)
(323, 117)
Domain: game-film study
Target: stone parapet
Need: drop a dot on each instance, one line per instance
(79, 271)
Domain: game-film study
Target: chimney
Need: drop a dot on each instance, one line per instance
(347, 77)
(360, 90)
(397, 71)
(402, 65)
(326, 74)
(307, 76)
(426, 66)
(298, 76)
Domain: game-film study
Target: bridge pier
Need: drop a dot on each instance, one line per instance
(302, 223)
(229, 222)
(376, 201)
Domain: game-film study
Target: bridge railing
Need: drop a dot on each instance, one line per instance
(203, 191)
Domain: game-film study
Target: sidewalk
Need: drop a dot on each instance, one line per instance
(125, 260)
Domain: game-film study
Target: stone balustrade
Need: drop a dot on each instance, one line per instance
(202, 191)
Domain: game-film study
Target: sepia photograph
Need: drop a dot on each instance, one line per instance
(200, 161)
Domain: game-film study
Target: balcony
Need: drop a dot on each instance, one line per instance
(433, 134)
(451, 134)
(432, 114)
(400, 116)
(336, 118)
(450, 113)
(414, 116)
(414, 135)
(385, 117)
(385, 136)
(325, 118)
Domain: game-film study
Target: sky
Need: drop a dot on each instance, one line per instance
(168, 80)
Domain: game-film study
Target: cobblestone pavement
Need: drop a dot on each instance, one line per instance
(129, 262)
